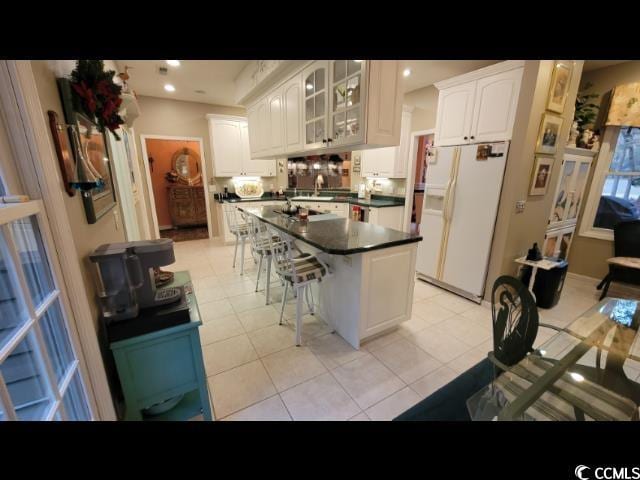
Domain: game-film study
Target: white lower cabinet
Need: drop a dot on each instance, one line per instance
(387, 273)
(388, 217)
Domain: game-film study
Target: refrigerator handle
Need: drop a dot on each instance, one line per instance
(451, 185)
(451, 200)
(447, 193)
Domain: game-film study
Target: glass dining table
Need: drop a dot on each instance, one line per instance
(588, 371)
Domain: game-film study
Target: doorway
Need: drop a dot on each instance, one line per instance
(422, 150)
(177, 185)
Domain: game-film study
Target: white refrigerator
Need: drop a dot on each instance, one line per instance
(462, 192)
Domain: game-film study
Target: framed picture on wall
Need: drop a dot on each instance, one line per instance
(549, 133)
(541, 174)
(560, 80)
(90, 146)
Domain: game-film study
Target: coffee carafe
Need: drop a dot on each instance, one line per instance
(119, 276)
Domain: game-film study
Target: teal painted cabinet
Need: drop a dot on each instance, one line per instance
(157, 366)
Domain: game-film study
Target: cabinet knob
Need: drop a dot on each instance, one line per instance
(472, 137)
(466, 138)
(324, 140)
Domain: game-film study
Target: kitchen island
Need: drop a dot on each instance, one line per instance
(370, 289)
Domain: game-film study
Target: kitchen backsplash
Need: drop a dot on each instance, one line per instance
(222, 182)
(386, 186)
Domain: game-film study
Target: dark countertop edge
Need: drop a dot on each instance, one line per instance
(351, 201)
(333, 251)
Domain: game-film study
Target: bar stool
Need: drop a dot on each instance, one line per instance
(261, 246)
(239, 228)
(298, 272)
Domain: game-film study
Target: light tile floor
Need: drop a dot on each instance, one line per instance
(255, 372)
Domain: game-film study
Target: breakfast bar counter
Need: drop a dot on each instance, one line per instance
(333, 235)
(370, 289)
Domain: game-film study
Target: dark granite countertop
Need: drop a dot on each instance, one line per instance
(336, 236)
(375, 202)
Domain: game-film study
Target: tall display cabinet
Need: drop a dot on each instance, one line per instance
(569, 194)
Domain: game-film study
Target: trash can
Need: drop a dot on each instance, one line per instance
(548, 284)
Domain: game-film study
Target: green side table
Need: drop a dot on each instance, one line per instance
(163, 364)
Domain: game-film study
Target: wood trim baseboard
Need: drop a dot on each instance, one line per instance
(623, 287)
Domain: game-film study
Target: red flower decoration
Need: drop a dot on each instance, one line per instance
(98, 94)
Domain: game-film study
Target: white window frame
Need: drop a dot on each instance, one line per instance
(8, 214)
(603, 162)
(38, 166)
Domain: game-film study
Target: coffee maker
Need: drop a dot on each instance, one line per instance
(126, 277)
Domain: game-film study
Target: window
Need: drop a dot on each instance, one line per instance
(39, 374)
(615, 190)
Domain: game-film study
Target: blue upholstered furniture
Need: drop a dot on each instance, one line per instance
(449, 403)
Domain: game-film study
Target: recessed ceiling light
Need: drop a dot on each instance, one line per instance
(358, 61)
(199, 91)
(406, 72)
(173, 63)
(169, 88)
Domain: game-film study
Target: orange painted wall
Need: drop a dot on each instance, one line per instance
(162, 152)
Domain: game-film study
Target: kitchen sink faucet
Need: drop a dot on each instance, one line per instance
(318, 184)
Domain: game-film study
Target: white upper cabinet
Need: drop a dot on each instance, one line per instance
(346, 98)
(226, 144)
(252, 166)
(258, 115)
(230, 146)
(455, 109)
(275, 113)
(495, 102)
(389, 162)
(314, 81)
(479, 106)
(328, 105)
(292, 97)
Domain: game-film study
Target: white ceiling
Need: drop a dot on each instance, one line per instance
(214, 77)
(428, 72)
(596, 64)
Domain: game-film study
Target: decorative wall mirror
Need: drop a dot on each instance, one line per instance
(186, 164)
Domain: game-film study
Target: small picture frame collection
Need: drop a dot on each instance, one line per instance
(550, 127)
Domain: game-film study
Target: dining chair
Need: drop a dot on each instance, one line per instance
(298, 272)
(515, 322)
(625, 265)
(239, 228)
(515, 327)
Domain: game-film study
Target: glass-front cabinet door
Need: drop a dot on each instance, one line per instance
(315, 79)
(570, 189)
(347, 94)
(563, 193)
